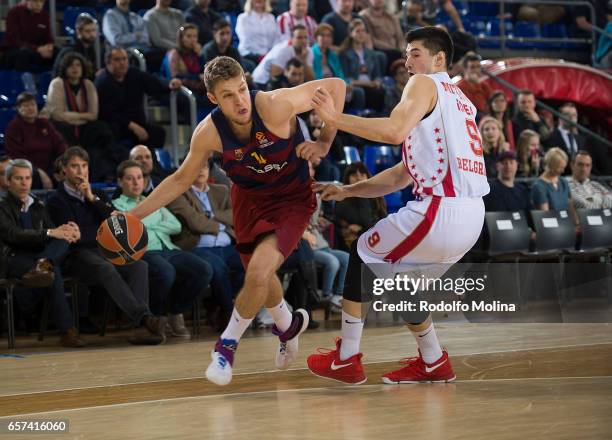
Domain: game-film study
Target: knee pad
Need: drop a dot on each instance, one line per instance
(359, 278)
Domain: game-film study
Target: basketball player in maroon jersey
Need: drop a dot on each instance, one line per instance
(264, 154)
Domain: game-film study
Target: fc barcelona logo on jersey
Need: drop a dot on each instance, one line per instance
(238, 153)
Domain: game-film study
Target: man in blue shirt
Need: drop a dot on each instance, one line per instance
(506, 194)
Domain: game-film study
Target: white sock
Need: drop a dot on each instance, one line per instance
(351, 335)
(427, 340)
(281, 315)
(236, 326)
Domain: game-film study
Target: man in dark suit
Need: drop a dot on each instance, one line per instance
(566, 136)
(205, 212)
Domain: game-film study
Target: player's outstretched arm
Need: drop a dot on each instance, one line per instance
(390, 180)
(418, 99)
(284, 103)
(204, 141)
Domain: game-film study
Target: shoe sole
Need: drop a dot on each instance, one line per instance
(390, 382)
(338, 380)
(305, 322)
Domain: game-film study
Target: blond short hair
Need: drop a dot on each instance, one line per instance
(248, 6)
(553, 157)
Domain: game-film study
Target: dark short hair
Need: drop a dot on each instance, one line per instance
(24, 97)
(75, 151)
(181, 32)
(354, 168)
(220, 69)
(83, 20)
(295, 62)
(109, 52)
(298, 27)
(469, 58)
(125, 165)
(578, 153)
(525, 92)
(220, 24)
(4, 158)
(435, 40)
(67, 60)
(567, 104)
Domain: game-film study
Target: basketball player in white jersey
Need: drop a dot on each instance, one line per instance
(443, 158)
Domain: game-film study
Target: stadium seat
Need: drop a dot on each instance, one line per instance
(394, 201)
(476, 25)
(71, 13)
(484, 9)
(554, 30)
(6, 114)
(164, 159)
(378, 158)
(351, 155)
(44, 79)
(525, 29)
(12, 85)
(232, 19)
(493, 30)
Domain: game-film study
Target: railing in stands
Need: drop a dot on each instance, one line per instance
(502, 31)
(142, 64)
(193, 114)
(541, 104)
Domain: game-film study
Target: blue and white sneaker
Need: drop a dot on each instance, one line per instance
(220, 369)
(288, 341)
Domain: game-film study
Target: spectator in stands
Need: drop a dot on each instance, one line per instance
(393, 95)
(498, 108)
(152, 174)
(529, 154)
(527, 118)
(205, 212)
(162, 23)
(355, 214)
(86, 28)
(586, 193)
(31, 137)
(326, 64)
(292, 76)
(4, 162)
(583, 20)
(297, 14)
(28, 42)
(121, 90)
(58, 170)
(424, 12)
(186, 63)
(551, 191)
(360, 65)
(542, 14)
(176, 277)
(339, 20)
(493, 143)
(221, 45)
(603, 54)
(334, 261)
(204, 18)
(506, 194)
(34, 249)
(72, 105)
(324, 168)
(566, 135)
(476, 90)
(256, 29)
(275, 61)
(128, 286)
(123, 28)
(385, 29)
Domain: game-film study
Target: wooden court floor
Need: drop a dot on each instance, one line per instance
(536, 381)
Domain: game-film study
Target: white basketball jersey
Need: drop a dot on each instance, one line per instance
(443, 153)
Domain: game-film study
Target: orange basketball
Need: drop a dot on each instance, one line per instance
(122, 238)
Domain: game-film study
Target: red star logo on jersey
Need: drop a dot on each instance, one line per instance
(409, 147)
(433, 178)
(422, 180)
(439, 170)
(440, 150)
(409, 138)
(416, 175)
(413, 166)
(439, 140)
(410, 157)
(441, 160)
(436, 130)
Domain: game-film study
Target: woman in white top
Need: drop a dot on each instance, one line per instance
(256, 29)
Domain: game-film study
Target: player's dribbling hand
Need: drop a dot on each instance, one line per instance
(323, 103)
(330, 191)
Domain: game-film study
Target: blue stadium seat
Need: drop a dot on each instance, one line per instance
(476, 25)
(6, 115)
(484, 9)
(351, 155)
(525, 29)
(164, 159)
(554, 30)
(44, 79)
(394, 201)
(232, 19)
(12, 85)
(493, 30)
(71, 13)
(378, 158)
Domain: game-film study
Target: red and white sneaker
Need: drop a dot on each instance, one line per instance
(327, 364)
(417, 371)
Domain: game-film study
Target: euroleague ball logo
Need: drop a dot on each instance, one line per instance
(117, 229)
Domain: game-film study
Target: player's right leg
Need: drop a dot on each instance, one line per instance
(264, 263)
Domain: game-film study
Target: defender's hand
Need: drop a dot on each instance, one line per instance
(330, 191)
